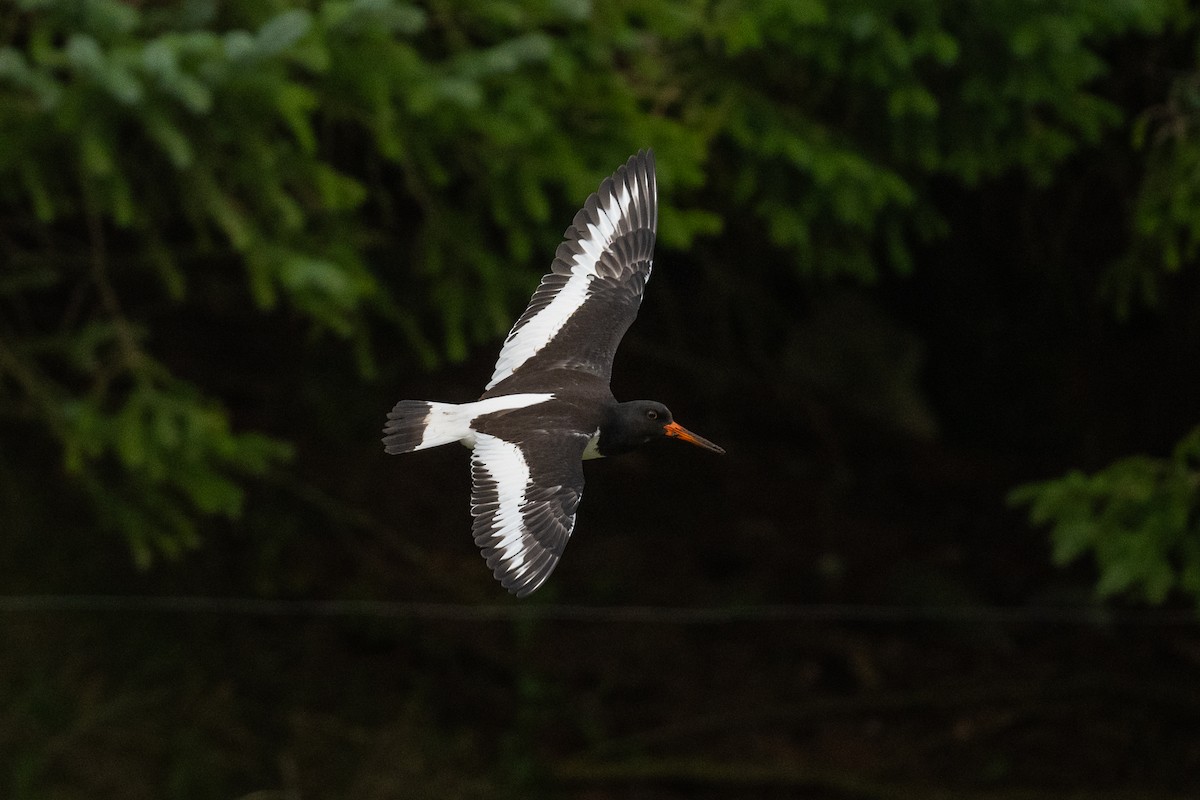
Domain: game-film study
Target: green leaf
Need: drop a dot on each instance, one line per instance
(295, 104)
(361, 17)
(304, 273)
(129, 433)
(1116, 578)
(215, 494)
(281, 32)
(236, 224)
(94, 153)
(13, 67)
(171, 139)
(160, 58)
(912, 100)
(39, 192)
(84, 53)
(239, 46)
(1137, 517)
(338, 191)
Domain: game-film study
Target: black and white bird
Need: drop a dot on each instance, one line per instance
(548, 405)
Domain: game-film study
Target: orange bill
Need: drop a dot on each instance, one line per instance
(677, 431)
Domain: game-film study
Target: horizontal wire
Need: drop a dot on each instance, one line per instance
(675, 615)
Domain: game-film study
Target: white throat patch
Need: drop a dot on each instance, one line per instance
(591, 450)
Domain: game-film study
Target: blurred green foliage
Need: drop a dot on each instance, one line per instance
(1139, 517)
(1165, 228)
(368, 162)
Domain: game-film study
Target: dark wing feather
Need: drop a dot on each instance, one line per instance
(524, 498)
(591, 296)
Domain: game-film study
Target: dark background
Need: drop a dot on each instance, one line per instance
(889, 318)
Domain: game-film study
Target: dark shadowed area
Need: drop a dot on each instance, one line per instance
(927, 272)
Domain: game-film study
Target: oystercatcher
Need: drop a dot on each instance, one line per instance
(548, 405)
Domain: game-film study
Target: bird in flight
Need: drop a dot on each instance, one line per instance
(548, 405)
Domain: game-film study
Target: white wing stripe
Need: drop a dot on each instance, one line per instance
(540, 329)
(508, 401)
(505, 464)
(620, 204)
(510, 538)
(522, 344)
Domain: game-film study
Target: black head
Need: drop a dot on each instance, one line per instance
(641, 421)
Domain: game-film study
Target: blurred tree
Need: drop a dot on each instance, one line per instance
(1140, 516)
(368, 160)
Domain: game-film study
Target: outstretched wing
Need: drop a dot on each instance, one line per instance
(590, 297)
(524, 498)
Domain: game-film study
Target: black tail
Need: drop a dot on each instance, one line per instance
(405, 430)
